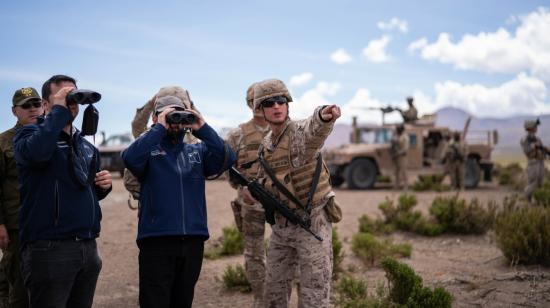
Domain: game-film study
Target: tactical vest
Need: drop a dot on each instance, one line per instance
(536, 153)
(248, 152)
(298, 181)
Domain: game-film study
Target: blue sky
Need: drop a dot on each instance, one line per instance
(491, 58)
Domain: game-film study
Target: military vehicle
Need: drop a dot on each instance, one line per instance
(367, 157)
(110, 149)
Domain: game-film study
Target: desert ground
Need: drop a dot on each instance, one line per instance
(472, 268)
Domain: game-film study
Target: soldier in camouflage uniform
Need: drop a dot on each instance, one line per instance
(290, 152)
(399, 149)
(535, 151)
(139, 126)
(455, 158)
(410, 115)
(250, 218)
(27, 106)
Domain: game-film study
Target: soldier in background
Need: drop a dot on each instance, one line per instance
(27, 107)
(455, 158)
(250, 217)
(290, 162)
(399, 149)
(410, 115)
(535, 151)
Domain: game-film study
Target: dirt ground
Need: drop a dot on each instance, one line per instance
(472, 268)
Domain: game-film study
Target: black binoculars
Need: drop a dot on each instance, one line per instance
(181, 117)
(83, 97)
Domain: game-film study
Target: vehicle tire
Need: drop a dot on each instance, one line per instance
(361, 174)
(336, 180)
(472, 173)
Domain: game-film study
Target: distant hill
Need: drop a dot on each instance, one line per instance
(510, 130)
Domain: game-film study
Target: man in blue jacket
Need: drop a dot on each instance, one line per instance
(172, 220)
(61, 184)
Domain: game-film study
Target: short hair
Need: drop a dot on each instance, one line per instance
(55, 79)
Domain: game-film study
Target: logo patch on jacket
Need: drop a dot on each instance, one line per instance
(194, 157)
(158, 152)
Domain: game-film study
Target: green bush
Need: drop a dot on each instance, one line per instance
(457, 216)
(510, 175)
(405, 288)
(230, 243)
(433, 182)
(368, 225)
(353, 294)
(406, 202)
(371, 250)
(523, 233)
(403, 218)
(337, 253)
(234, 278)
(542, 195)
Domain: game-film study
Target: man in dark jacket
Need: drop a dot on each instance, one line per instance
(172, 221)
(61, 184)
(27, 107)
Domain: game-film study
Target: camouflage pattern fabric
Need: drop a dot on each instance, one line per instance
(535, 165)
(456, 159)
(400, 147)
(290, 245)
(410, 115)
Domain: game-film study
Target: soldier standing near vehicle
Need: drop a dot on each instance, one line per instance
(250, 217)
(455, 158)
(399, 149)
(410, 115)
(292, 169)
(535, 151)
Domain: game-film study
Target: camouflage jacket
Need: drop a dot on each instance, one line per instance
(530, 149)
(9, 177)
(410, 115)
(399, 145)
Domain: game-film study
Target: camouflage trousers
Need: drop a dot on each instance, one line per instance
(11, 268)
(456, 171)
(252, 223)
(400, 173)
(535, 176)
(291, 246)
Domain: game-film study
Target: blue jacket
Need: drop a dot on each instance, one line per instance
(172, 177)
(54, 204)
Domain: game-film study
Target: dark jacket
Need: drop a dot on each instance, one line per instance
(9, 181)
(59, 199)
(172, 177)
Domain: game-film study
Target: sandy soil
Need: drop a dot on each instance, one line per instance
(472, 268)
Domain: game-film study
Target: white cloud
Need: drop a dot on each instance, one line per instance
(418, 44)
(300, 80)
(363, 105)
(376, 50)
(394, 23)
(497, 52)
(340, 56)
(304, 106)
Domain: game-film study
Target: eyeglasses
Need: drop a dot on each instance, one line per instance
(270, 102)
(29, 105)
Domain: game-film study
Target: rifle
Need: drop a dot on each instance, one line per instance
(271, 203)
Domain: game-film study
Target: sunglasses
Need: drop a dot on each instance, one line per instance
(29, 105)
(270, 102)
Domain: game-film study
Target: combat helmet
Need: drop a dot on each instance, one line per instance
(250, 96)
(269, 88)
(531, 124)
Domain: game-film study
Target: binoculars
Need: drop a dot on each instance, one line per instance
(82, 97)
(181, 117)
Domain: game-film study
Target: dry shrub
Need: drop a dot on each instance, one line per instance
(432, 182)
(234, 278)
(458, 216)
(523, 233)
(337, 254)
(371, 250)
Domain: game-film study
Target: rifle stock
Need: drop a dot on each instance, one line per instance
(271, 203)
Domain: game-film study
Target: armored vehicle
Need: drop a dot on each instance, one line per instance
(367, 157)
(110, 149)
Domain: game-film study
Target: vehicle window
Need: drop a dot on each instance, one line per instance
(412, 140)
(118, 140)
(376, 136)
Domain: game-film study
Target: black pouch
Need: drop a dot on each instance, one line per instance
(90, 121)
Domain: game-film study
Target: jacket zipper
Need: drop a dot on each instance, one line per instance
(181, 190)
(93, 211)
(56, 193)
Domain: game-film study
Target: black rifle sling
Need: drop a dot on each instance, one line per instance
(285, 191)
(314, 183)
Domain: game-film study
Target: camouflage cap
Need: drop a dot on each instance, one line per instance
(164, 102)
(178, 92)
(270, 88)
(24, 95)
(530, 124)
(250, 96)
